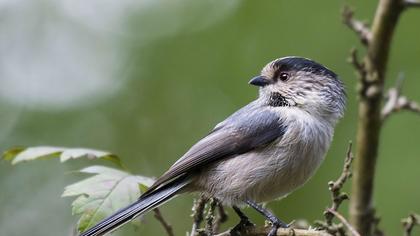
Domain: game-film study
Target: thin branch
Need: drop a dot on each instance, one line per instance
(280, 232)
(337, 197)
(344, 221)
(409, 223)
(335, 187)
(163, 222)
(210, 216)
(198, 212)
(358, 66)
(360, 28)
(396, 102)
(411, 3)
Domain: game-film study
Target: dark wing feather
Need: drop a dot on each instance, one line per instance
(248, 129)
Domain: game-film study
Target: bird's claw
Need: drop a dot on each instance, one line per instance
(275, 225)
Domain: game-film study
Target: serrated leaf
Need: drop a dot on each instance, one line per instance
(18, 155)
(102, 194)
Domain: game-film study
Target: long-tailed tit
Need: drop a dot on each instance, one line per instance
(260, 153)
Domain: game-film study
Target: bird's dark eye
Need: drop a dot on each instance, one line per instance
(283, 76)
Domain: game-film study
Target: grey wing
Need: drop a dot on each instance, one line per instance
(236, 135)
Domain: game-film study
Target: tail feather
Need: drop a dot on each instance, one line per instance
(140, 207)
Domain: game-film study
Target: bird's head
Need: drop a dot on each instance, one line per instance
(301, 83)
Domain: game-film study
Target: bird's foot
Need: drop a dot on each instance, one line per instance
(275, 225)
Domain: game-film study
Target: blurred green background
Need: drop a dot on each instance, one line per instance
(146, 79)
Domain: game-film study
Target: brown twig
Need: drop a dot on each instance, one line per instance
(337, 197)
(163, 222)
(409, 223)
(359, 66)
(334, 229)
(396, 102)
(210, 216)
(360, 28)
(198, 213)
(344, 221)
(280, 232)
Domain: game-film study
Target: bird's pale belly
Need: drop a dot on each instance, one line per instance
(260, 176)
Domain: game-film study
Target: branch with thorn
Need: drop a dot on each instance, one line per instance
(409, 223)
(337, 197)
(335, 187)
(358, 65)
(210, 217)
(360, 28)
(215, 216)
(397, 102)
(198, 214)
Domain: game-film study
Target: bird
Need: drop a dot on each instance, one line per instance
(262, 152)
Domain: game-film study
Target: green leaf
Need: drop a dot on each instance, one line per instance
(102, 194)
(10, 154)
(143, 187)
(17, 155)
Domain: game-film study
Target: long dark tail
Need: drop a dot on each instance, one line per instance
(140, 207)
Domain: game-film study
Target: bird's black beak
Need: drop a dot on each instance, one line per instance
(260, 81)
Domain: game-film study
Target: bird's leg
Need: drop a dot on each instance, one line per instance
(275, 222)
(244, 219)
(243, 224)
